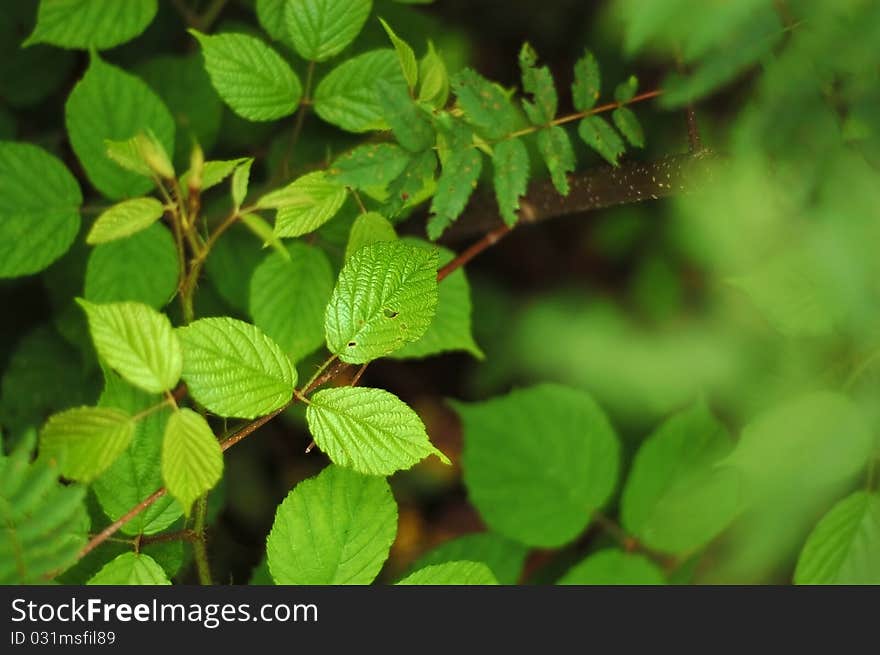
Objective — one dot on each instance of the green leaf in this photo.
(410, 125)
(385, 297)
(407, 188)
(451, 328)
(601, 137)
(459, 177)
(110, 104)
(138, 342)
(270, 15)
(86, 24)
(405, 55)
(141, 268)
(614, 567)
(305, 204)
(214, 172)
(264, 232)
(505, 558)
(85, 441)
(452, 573)
(130, 569)
(510, 161)
(368, 228)
(192, 461)
(626, 121)
(240, 181)
(138, 471)
(556, 150)
(250, 77)
(844, 547)
(127, 154)
(370, 165)
(537, 82)
(626, 91)
(39, 209)
(333, 529)
(320, 29)
(288, 297)
(233, 369)
(539, 491)
(369, 430)
(347, 96)
(485, 105)
(185, 87)
(677, 498)
(434, 88)
(124, 219)
(45, 523)
(587, 82)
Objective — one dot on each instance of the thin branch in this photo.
(492, 237)
(114, 527)
(304, 105)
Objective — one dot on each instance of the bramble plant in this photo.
(209, 296)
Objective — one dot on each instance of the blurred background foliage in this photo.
(757, 293)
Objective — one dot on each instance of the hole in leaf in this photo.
(390, 313)
(352, 344)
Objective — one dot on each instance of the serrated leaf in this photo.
(676, 498)
(587, 82)
(368, 228)
(335, 528)
(127, 154)
(130, 569)
(626, 121)
(192, 461)
(844, 547)
(385, 297)
(270, 15)
(233, 369)
(320, 29)
(214, 172)
(45, 523)
(510, 161)
(513, 478)
(85, 441)
(86, 24)
(39, 209)
(288, 297)
(110, 104)
(370, 165)
(250, 77)
(450, 330)
(405, 56)
(434, 87)
(556, 150)
(485, 105)
(411, 126)
(459, 177)
(505, 558)
(601, 137)
(537, 82)
(305, 204)
(124, 219)
(369, 430)
(241, 178)
(142, 268)
(138, 342)
(137, 472)
(614, 567)
(452, 573)
(412, 183)
(347, 96)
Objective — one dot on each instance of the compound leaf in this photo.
(597, 133)
(556, 150)
(485, 105)
(459, 176)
